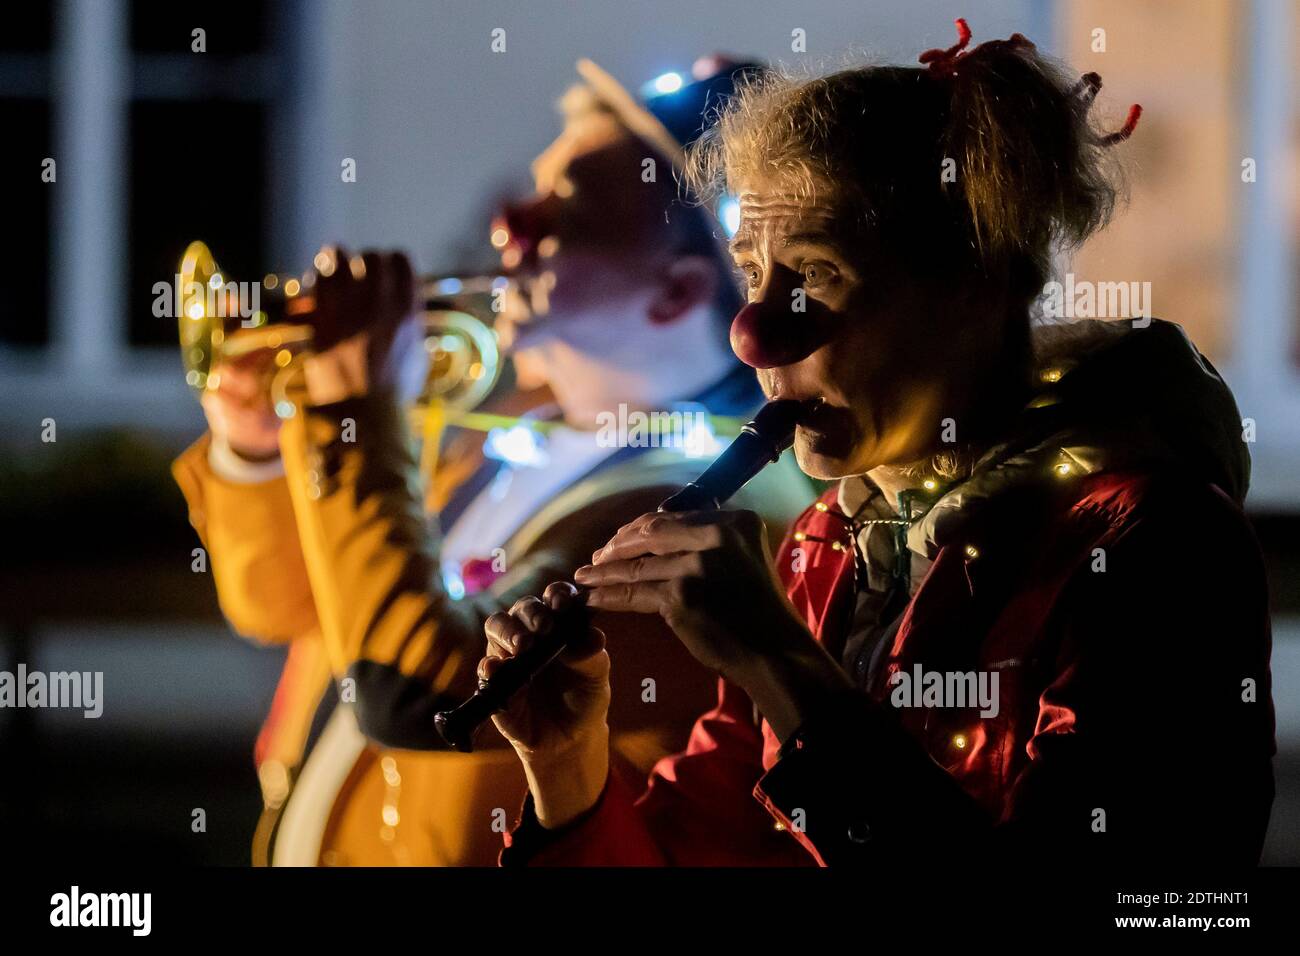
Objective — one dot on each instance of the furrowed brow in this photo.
(810, 239)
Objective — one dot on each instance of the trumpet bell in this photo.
(223, 319)
(198, 336)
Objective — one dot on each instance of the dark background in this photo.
(241, 146)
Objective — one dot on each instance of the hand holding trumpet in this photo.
(365, 337)
(364, 322)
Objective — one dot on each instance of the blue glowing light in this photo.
(449, 286)
(519, 446)
(729, 215)
(452, 580)
(667, 83)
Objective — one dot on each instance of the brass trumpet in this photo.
(222, 319)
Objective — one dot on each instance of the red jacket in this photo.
(1126, 617)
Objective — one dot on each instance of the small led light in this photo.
(292, 287)
(930, 484)
(668, 83)
(800, 536)
(1063, 469)
(972, 552)
(519, 446)
(959, 741)
(822, 507)
(729, 215)
(216, 280)
(500, 237)
(1052, 375)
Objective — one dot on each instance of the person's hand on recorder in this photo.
(557, 725)
(707, 574)
(368, 337)
(237, 403)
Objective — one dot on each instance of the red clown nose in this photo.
(766, 337)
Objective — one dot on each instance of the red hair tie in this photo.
(1086, 90)
(944, 62)
(1125, 131)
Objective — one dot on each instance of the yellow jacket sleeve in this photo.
(371, 557)
(250, 535)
